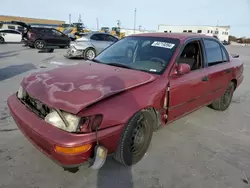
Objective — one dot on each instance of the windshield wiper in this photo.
(119, 65)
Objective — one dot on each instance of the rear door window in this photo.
(213, 52)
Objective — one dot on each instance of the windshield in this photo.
(150, 54)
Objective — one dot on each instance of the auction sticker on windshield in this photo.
(163, 44)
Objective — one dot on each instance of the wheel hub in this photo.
(138, 139)
(227, 96)
(90, 54)
(39, 44)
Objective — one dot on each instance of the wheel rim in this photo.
(1, 40)
(139, 138)
(39, 44)
(227, 96)
(90, 54)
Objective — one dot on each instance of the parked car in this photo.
(10, 35)
(112, 105)
(90, 45)
(226, 42)
(41, 37)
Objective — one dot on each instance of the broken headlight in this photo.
(73, 123)
(21, 94)
(64, 120)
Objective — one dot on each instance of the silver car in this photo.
(90, 45)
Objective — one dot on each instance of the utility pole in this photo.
(118, 23)
(97, 24)
(80, 18)
(69, 18)
(135, 20)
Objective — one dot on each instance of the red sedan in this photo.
(113, 104)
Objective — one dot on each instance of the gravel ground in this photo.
(204, 149)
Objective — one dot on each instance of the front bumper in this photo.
(73, 52)
(45, 136)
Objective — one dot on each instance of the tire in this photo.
(39, 44)
(224, 101)
(2, 40)
(89, 54)
(135, 139)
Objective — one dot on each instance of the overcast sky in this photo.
(150, 13)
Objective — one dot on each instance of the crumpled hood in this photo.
(72, 88)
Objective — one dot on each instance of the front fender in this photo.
(83, 45)
(118, 109)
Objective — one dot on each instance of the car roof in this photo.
(180, 36)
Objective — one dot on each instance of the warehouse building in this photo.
(134, 31)
(221, 32)
(6, 22)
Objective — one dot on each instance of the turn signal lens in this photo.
(73, 150)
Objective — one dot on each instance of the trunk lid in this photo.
(72, 88)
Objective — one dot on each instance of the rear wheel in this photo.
(135, 139)
(89, 54)
(224, 101)
(39, 44)
(2, 40)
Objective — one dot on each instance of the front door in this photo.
(99, 42)
(188, 92)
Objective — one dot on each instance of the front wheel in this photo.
(89, 54)
(135, 139)
(39, 44)
(224, 101)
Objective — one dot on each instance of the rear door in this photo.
(218, 67)
(188, 92)
(47, 35)
(59, 38)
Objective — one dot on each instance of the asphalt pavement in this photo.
(204, 149)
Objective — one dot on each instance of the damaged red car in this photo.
(112, 105)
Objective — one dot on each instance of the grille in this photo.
(36, 106)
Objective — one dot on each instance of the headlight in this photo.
(74, 123)
(21, 93)
(55, 119)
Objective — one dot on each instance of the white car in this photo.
(10, 35)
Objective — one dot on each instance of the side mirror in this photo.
(180, 69)
(183, 68)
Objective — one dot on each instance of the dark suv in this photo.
(41, 37)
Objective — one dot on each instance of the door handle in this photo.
(228, 71)
(205, 79)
